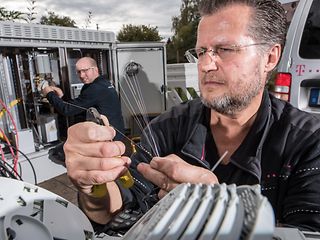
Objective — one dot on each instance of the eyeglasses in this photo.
(223, 52)
(84, 70)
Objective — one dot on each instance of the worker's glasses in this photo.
(223, 52)
(84, 70)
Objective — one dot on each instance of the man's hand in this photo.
(46, 90)
(169, 171)
(57, 91)
(91, 157)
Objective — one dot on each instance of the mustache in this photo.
(209, 77)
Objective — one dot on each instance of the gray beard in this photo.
(229, 105)
(236, 100)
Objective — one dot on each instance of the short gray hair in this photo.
(268, 22)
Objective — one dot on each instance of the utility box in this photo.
(32, 55)
(48, 128)
(26, 141)
(141, 75)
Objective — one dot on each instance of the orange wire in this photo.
(15, 157)
(8, 142)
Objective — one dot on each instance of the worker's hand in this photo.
(57, 91)
(91, 157)
(46, 90)
(167, 172)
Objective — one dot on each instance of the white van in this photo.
(298, 73)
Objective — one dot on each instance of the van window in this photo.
(310, 42)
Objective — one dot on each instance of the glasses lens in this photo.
(84, 70)
(224, 53)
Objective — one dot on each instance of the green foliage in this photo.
(185, 31)
(271, 82)
(30, 15)
(181, 94)
(88, 19)
(6, 15)
(56, 20)
(138, 33)
(192, 92)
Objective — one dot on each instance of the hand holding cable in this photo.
(126, 179)
(92, 158)
(169, 171)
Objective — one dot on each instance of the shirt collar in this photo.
(248, 155)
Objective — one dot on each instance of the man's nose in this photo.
(209, 63)
(82, 73)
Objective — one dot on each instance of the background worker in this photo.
(96, 92)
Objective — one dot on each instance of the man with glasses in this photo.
(236, 132)
(96, 92)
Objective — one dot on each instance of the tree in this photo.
(185, 29)
(31, 11)
(56, 20)
(6, 15)
(88, 19)
(138, 33)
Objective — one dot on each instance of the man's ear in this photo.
(273, 57)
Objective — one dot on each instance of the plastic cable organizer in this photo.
(190, 211)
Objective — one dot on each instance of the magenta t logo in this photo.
(300, 69)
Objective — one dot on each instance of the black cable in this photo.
(31, 165)
(9, 173)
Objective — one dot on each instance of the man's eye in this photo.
(225, 49)
(201, 52)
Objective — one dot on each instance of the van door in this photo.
(301, 57)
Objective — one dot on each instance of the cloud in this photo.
(110, 15)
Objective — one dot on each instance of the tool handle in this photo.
(125, 180)
(99, 190)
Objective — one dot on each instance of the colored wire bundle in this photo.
(9, 171)
(6, 170)
(6, 109)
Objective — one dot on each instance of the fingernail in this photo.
(142, 164)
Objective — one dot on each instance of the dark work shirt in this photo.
(281, 152)
(99, 94)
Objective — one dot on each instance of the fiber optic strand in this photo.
(131, 85)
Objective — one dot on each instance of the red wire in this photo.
(15, 157)
(8, 142)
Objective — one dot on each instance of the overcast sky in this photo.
(110, 15)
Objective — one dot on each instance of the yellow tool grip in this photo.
(99, 190)
(126, 181)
